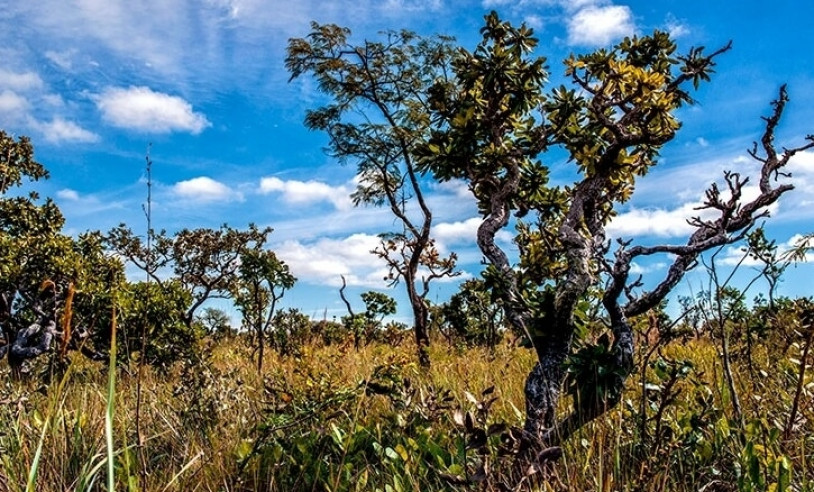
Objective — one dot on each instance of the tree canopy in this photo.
(377, 118)
(493, 123)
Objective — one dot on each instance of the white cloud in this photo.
(205, 189)
(68, 194)
(60, 130)
(654, 222)
(637, 269)
(579, 4)
(457, 187)
(450, 233)
(325, 260)
(536, 22)
(20, 81)
(304, 192)
(518, 5)
(802, 162)
(661, 222)
(12, 105)
(413, 5)
(675, 28)
(600, 26)
(736, 255)
(54, 100)
(142, 109)
(62, 59)
(465, 231)
(15, 110)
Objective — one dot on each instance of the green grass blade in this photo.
(111, 397)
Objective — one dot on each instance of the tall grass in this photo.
(334, 419)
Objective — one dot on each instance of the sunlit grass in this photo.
(201, 424)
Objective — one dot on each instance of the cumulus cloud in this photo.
(637, 269)
(304, 192)
(465, 231)
(457, 187)
(20, 81)
(323, 261)
(205, 189)
(12, 104)
(662, 222)
(457, 232)
(801, 167)
(802, 162)
(68, 194)
(142, 109)
(736, 255)
(654, 222)
(675, 27)
(599, 26)
(60, 130)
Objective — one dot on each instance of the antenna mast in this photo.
(149, 209)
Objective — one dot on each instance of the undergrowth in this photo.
(333, 419)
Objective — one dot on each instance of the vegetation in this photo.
(49, 282)
(378, 119)
(619, 394)
(337, 419)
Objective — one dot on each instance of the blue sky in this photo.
(93, 82)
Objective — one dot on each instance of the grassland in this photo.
(331, 419)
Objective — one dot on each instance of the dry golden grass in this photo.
(199, 422)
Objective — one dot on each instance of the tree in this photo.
(262, 282)
(292, 330)
(365, 326)
(377, 119)
(152, 323)
(55, 291)
(216, 322)
(494, 121)
(471, 315)
(204, 262)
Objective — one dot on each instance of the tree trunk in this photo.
(260, 350)
(420, 327)
(30, 343)
(544, 384)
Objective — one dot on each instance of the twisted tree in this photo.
(494, 121)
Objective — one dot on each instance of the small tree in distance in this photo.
(216, 322)
(205, 262)
(262, 281)
(365, 326)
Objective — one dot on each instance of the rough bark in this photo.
(582, 234)
(420, 322)
(33, 341)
